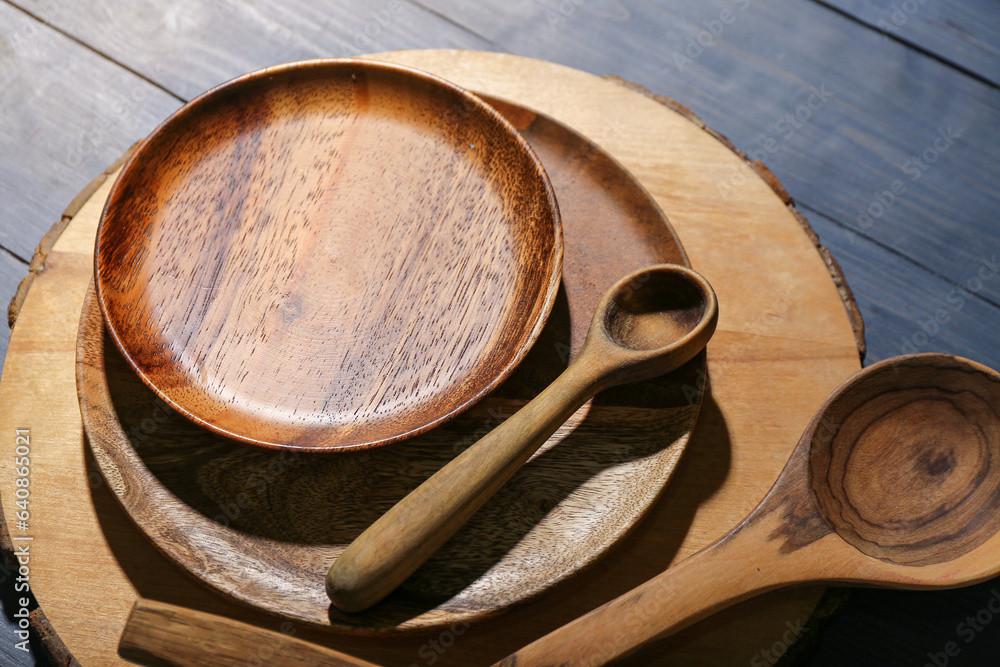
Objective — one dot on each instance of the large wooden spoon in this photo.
(647, 324)
(895, 482)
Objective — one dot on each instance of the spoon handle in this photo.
(158, 633)
(732, 569)
(404, 537)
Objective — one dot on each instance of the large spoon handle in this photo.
(733, 569)
(406, 536)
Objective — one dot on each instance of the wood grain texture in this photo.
(59, 130)
(915, 280)
(929, 314)
(12, 271)
(328, 256)
(876, 108)
(163, 634)
(904, 462)
(963, 33)
(894, 482)
(536, 533)
(37, 263)
(801, 345)
(638, 41)
(649, 323)
(886, 107)
(55, 650)
(189, 50)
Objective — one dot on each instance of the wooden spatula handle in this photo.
(409, 533)
(720, 575)
(158, 633)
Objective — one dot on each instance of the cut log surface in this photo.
(784, 342)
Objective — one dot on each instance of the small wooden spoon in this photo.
(895, 482)
(650, 322)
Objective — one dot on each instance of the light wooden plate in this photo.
(263, 527)
(328, 255)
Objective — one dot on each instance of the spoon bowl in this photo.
(895, 482)
(656, 313)
(654, 318)
(905, 461)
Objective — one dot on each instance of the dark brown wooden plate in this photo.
(328, 255)
(264, 526)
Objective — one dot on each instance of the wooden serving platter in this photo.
(263, 527)
(784, 334)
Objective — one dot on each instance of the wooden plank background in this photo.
(880, 117)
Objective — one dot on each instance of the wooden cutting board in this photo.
(788, 335)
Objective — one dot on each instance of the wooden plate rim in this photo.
(543, 311)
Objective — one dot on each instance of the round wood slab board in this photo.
(264, 527)
(785, 340)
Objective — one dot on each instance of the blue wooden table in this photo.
(880, 117)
